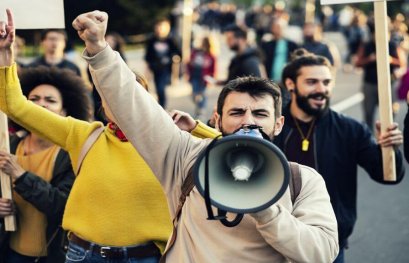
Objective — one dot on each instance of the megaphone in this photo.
(241, 174)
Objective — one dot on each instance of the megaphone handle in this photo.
(225, 222)
(206, 182)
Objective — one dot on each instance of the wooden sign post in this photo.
(6, 190)
(384, 79)
(187, 30)
(384, 85)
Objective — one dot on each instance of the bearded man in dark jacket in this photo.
(331, 143)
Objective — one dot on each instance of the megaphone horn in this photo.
(241, 174)
(244, 163)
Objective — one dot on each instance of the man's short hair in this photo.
(302, 58)
(45, 32)
(239, 32)
(254, 86)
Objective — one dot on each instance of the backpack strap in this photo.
(187, 187)
(87, 145)
(295, 183)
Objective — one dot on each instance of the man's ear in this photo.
(289, 84)
(217, 122)
(278, 125)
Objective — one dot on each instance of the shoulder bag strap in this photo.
(187, 187)
(295, 180)
(87, 145)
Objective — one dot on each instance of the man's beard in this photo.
(308, 38)
(235, 47)
(303, 104)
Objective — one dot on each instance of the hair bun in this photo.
(298, 53)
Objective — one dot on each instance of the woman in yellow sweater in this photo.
(41, 172)
(116, 208)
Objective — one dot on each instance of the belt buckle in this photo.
(103, 251)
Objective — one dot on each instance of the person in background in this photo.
(116, 209)
(313, 41)
(247, 61)
(202, 65)
(160, 52)
(53, 42)
(366, 59)
(311, 124)
(277, 53)
(41, 171)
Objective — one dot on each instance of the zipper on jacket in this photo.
(315, 149)
(286, 140)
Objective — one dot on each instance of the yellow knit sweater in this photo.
(116, 200)
(203, 131)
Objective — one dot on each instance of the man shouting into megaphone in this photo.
(303, 231)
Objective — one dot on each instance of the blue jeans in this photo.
(340, 257)
(162, 78)
(198, 94)
(14, 257)
(78, 254)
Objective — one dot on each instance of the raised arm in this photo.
(13, 103)
(167, 150)
(7, 36)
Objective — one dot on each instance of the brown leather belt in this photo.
(143, 251)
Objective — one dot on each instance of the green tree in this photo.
(125, 16)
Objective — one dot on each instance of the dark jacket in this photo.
(49, 198)
(159, 53)
(341, 144)
(245, 64)
(64, 64)
(269, 54)
(319, 49)
(370, 69)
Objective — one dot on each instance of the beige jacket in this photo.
(303, 232)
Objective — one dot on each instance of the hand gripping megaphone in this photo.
(241, 173)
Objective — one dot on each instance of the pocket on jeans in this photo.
(75, 253)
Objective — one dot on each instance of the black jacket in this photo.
(64, 64)
(245, 64)
(49, 198)
(341, 144)
(160, 60)
(269, 48)
(319, 49)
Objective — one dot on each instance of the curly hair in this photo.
(75, 96)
